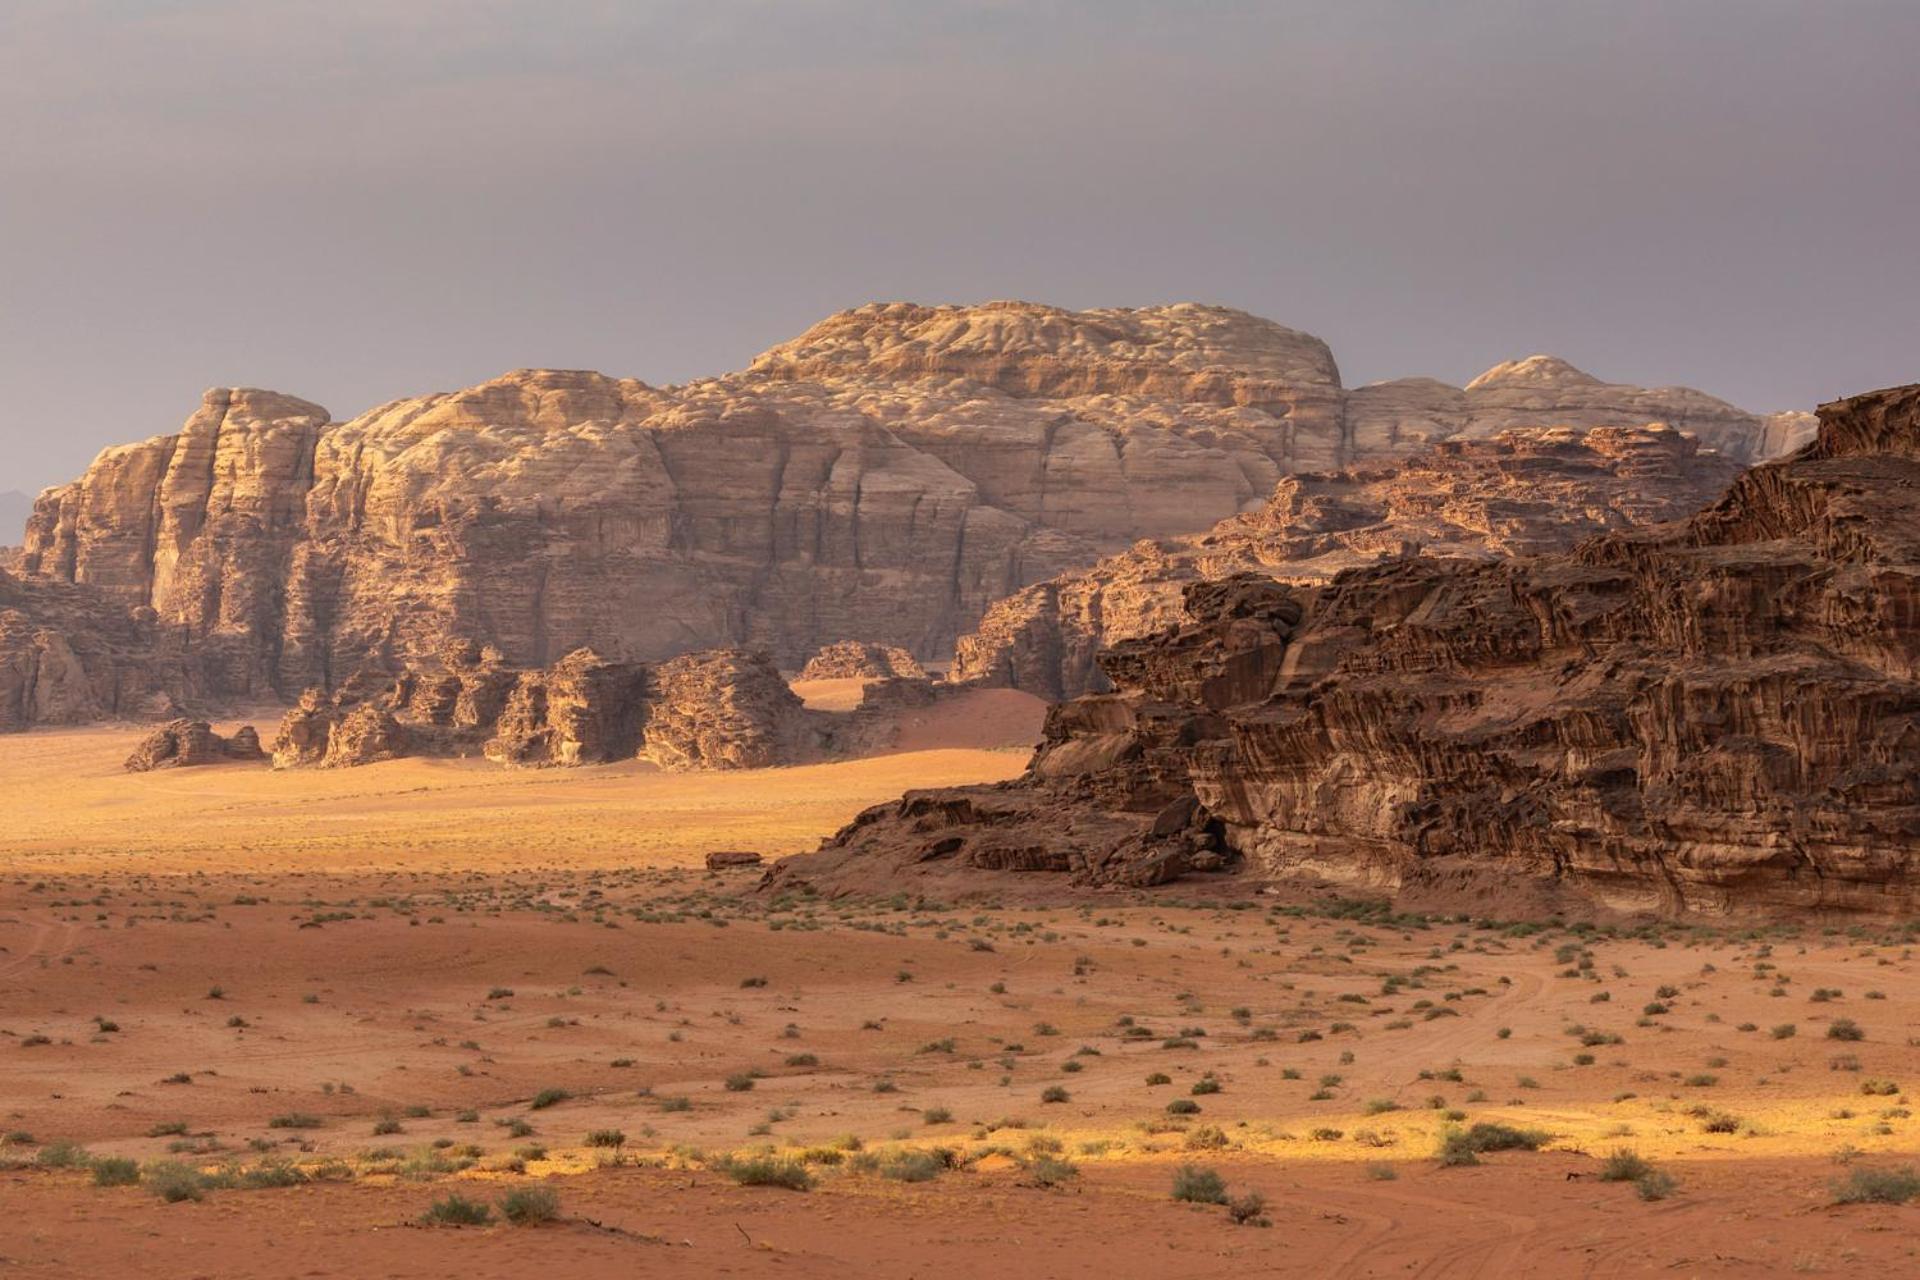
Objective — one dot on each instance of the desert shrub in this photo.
(1054, 1093)
(606, 1138)
(1208, 1137)
(1878, 1186)
(1655, 1184)
(740, 1082)
(1248, 1210)
(115, 1171)
(1624, 1165)
(1183, 1107)
(766, 1170)
(457, 1211)
(294, 1120)
(1197, 1184)
(936, 1115)
(1051, 1171)
(1464, 1146)
(174, 1182)
(272, 1174)
(62, 1155)
(528, 1206)
(1845, 1029)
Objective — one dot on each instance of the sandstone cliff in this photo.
(69, 656)
(884, 477)
(1717, 715)
(1517, 493)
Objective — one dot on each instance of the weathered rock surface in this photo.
(885, 476)
(1517, 493)
(1408, 414)
(1718, 715)
(184, 743)
(715, 709)
(856, 659)
(70, 656)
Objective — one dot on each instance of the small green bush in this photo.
(529, 1206)
(457, 1211)
(1197, 1184)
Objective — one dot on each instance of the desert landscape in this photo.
(955, 639)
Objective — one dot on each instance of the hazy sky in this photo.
(353, 200)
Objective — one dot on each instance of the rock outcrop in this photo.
(184, 743)
(885, 476)
(1517, 493)
(1719, 715)
(1409, 414)
(859, 660)
(715, 709)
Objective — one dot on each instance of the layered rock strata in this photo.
(886, 476)
(186, 743)
(1517, 493)
(715, 709)
(1719, 715)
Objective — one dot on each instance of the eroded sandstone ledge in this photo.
(1719, 715)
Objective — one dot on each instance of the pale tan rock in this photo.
(856, 659)
(886, 477)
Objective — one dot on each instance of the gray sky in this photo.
(352, 200)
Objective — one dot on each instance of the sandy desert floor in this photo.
(315, 1005)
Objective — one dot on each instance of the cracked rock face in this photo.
(1718, 715)
(1517, 493)
(884, 477)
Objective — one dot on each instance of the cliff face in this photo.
(1518, 493)
(884, 477)
(68, 655)
(1719, 715)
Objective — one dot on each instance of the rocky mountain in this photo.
(1718, 715)
(883, 477)
(1409, 414)
(1521, 492)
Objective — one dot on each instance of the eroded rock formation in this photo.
(885, 476)
(857, 660)
(1717, 715)
(715, 709)
(1517, 493)
(69, 656)
(185, 743)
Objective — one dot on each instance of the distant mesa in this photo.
(885, 477)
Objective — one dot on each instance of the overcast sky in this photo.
(353, 200)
